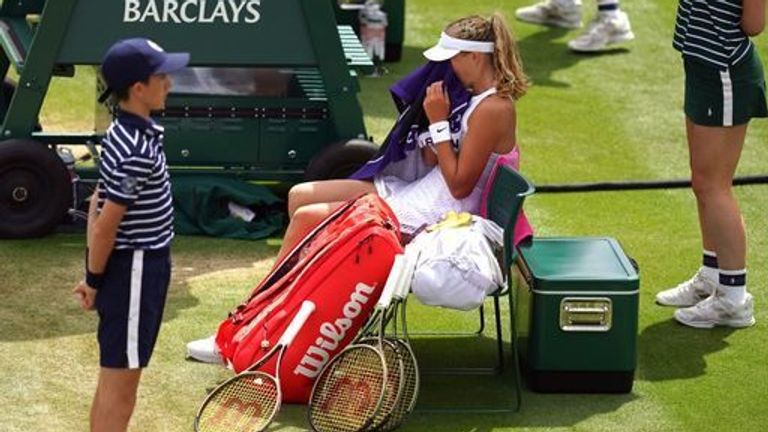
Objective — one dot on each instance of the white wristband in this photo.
(440, 132)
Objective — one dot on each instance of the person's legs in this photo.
(130, 305)
(556, 13)
(705, 280)
(304, 219)
(706, 238)
(609, 26)
(325, 192)
(114, 400)
(714, 155)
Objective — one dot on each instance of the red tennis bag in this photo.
(341, 266)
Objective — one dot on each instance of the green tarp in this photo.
(202, 206)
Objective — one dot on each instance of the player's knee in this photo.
(303, 214)
(707, 186)
(297, 197)
(308, 215)
(118, 402)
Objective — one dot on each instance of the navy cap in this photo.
(132, 60)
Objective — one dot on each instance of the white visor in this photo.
(448, 46)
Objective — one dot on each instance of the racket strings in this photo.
(348, 393)
(409, 389)
(394, 383)
(410, 377)
(247, 403)
(410, 364)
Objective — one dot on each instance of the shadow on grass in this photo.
(543, 55)
(36, 288)
(442, 397)
(669, 350)
(40, 315)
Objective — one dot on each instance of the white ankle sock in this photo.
(735, 292)
(710, 274)
(608, 13)
(736, 295)
(709, 266)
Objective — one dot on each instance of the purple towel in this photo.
(408, 94)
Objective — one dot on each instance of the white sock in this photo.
(733, 285)
(608, 8)
(709, 266)
(710, 274)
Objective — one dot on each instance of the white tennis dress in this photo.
(425, 200)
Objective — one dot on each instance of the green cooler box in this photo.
(577, 302)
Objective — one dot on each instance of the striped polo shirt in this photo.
(710, 31)
(134, 173)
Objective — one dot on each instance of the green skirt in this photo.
(717, 97)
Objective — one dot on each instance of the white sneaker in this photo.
(204, 350)
(603, 31)
(552, 13)
(717, 310)
(687, 293)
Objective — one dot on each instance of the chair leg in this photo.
(496, 369)
(481, 328)
(516, 401)
(499, 335)
(514, 349)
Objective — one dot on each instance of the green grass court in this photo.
(615, 116)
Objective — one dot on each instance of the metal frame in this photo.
(522, 189)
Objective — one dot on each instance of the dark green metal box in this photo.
(576, 305)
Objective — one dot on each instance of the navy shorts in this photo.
(130, 305)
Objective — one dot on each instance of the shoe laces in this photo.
(597, 26)
(691, 284)
(548, 6)
(715, 297)
(551, 7)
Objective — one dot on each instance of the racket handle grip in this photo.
(307, 307)
(406, 275)
(392, 282)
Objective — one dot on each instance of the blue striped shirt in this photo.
(710, 31)
(134, 173)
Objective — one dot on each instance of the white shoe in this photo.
(552, 13)
(717, 310)
(687, 293)
(204, 350)
(603, 31)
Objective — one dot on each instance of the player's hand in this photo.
(86, 295)
(437, 104)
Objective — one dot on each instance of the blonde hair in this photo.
(511, 80)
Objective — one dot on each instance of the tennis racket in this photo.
(351, 388)
(410, 378)
(250, 400)
(392, 354)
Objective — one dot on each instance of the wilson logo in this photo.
(332, 333)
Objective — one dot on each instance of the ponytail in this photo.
(508, 66)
